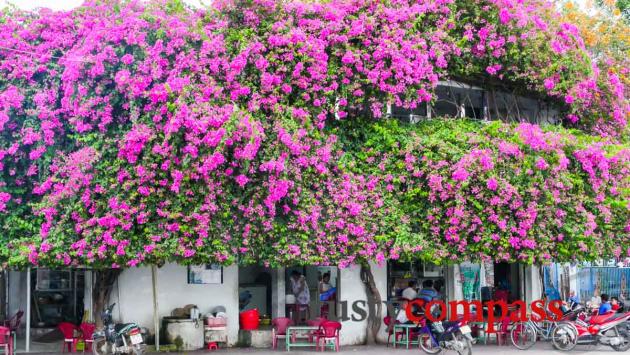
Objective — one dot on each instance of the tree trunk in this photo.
(375, 304)
(103, 283)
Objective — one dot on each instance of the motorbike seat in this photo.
(448, 324)
(619, 315)
(119, 327)
(601, 318)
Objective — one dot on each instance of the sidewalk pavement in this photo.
(542, 348)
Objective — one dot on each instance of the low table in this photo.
(215, 334)
(405, 328)
(293, 333)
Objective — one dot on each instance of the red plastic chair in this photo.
(14, 323)
(279, 330)
(314, 323)
(87, 331)
(69, 339)
(390, 329)
(6, 341)
(328, 330)
(503, 332)
(502, 295)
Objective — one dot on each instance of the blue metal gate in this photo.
(609, 280)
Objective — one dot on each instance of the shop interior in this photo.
(507, 282)
(57, 296)
(323, 285)
(401, 273)
(254, 287)
(255, 291)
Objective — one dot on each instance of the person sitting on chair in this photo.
(410, 292)
(605, 307)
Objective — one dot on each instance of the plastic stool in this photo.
(213, 346)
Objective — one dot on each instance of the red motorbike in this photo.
(612, 329)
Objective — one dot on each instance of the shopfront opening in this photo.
(323, 287)
(57, 297)
(255, 289)
(507, 282)
(45, 298)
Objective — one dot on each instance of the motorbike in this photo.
(117, 338)
(435, 337)
(608, 329)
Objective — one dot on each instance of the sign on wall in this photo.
(205, 274)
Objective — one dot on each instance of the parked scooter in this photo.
(441, 336)
(117, 338)
(607, 329)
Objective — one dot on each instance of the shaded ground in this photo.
(539, 349)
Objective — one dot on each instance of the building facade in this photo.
(133, 293)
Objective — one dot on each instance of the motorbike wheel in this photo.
(625, 345)
(564, 337)
(427, 345)
(139, 349)
(523, 335)
(100, 346)
(467, 350)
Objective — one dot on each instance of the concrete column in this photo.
(278, 293)
(87, 296)
(574, 279)
(28, 309)
(449, 282)
(454, 290)
(533, 284)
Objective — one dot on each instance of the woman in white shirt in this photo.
(410, 292)
(300, 288)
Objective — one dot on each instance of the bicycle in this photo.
(525, 334)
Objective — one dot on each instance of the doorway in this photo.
(507, 281)
(255, 288)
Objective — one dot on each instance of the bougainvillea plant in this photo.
(136, 133)
(497, 192)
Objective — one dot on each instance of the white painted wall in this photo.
(351, 290)
(134, 296)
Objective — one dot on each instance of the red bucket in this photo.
(249, 320)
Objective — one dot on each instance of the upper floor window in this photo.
(455, 99)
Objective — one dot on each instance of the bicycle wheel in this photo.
(564, 337)
(523, 335)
